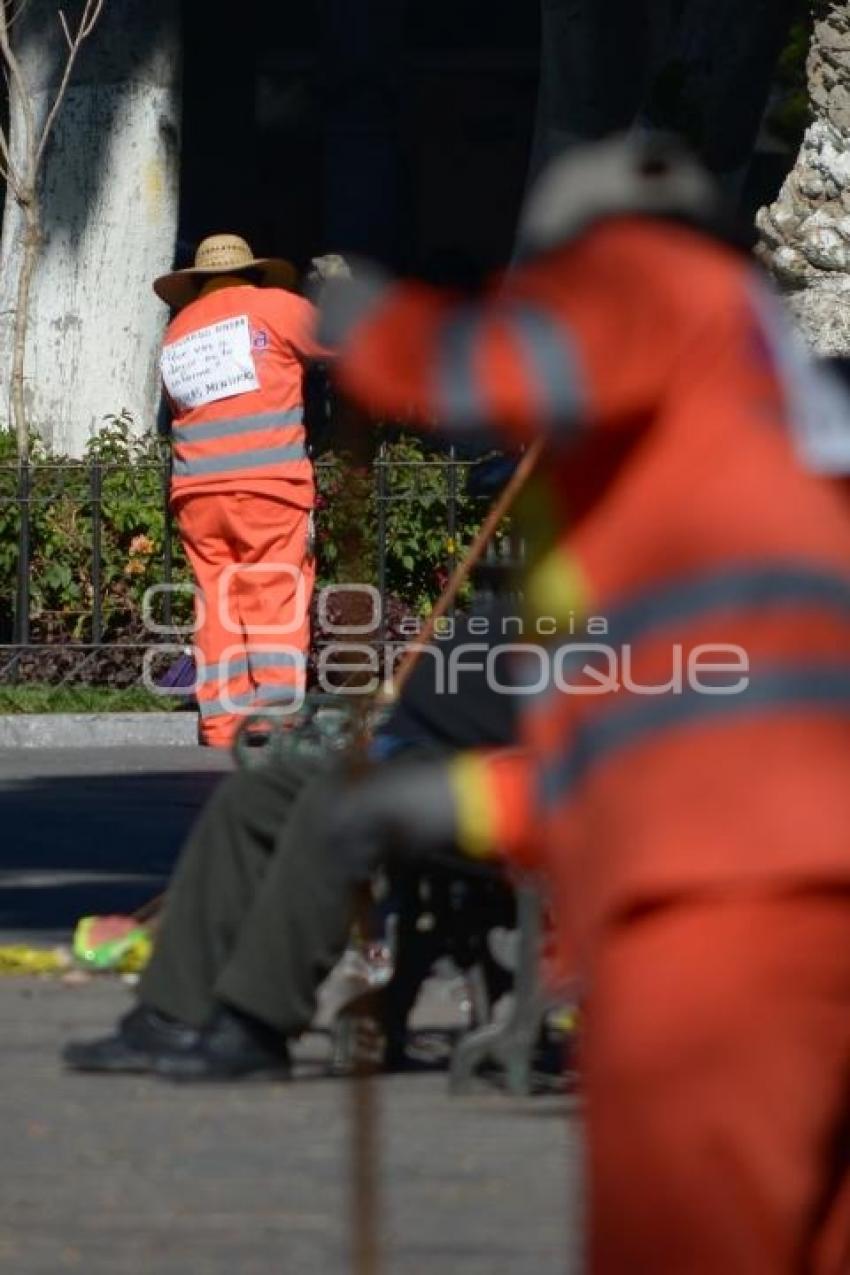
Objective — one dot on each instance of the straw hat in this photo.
(222, 254)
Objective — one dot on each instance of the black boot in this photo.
(235, 1046)
(143, 1036)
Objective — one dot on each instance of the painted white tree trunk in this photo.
(109, 205)
(805, 233)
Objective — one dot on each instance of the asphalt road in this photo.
(89, 831)
(118, 1176)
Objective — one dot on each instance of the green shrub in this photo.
(411, 485)
(63, 516)
(133, 524)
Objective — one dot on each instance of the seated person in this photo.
(260, 908)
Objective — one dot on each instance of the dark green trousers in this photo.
(257, 912)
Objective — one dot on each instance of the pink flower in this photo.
(141, 547)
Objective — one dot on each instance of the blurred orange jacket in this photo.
(684, 530)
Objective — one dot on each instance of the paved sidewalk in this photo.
(120, 1176)
(98, 730)
(128, 1176)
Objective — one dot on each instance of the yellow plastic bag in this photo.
(19, 959)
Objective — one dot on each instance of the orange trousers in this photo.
(717, 1071)
(255, 574)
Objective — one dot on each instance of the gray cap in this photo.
(331, 266)
(646, 175)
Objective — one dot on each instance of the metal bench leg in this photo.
(509, 1044)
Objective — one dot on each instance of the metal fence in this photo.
(81, 542)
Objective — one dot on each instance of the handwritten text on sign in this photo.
(214, 362)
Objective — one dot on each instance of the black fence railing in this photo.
(89, 553)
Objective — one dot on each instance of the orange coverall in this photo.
(242, 491)
(695, 840)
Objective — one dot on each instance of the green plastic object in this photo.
(111, 943)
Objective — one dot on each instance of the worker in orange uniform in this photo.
(686, 790)
(233, 363)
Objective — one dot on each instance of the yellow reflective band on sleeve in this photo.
(476, 822)
(556, 586)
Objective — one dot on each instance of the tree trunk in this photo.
(805, 233)
(108, 197)
(30, 243)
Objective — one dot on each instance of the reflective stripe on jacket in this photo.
(233, 366)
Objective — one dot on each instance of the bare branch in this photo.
(91, 12)
(18, 89)
(5, 158)
(6, 169)
(95, 8)
(20, 164)
(64, 23)
(9, 176)
(14, 16)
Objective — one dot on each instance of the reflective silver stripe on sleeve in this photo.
(779, 588)
(258, 459)
(789, 586)
(545, 347)
(550, 355)
(457, 391)
(233, 426)
(791, 689)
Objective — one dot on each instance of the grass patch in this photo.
(35, 698)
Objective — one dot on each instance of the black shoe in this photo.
(143, 1036)
(235, 1046)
